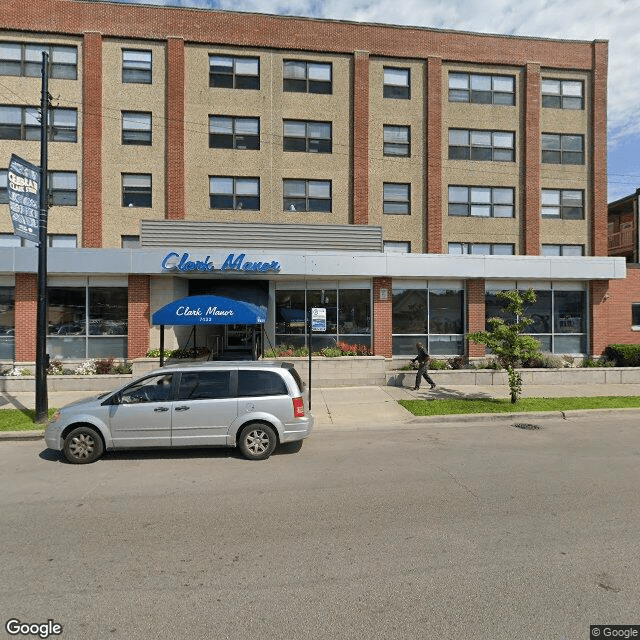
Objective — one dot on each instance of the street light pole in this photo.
(42, 403)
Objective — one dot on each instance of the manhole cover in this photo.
(527, 426)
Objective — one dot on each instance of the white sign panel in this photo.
(318, 319)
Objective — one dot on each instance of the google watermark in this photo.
(15, 627)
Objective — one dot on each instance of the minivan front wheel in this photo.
(83, 445)
(257, 441)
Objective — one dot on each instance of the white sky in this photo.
(617, 21)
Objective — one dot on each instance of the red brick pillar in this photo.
(532, 160)
(433, 230)
(139, 316)
(599, 206)
(382, 317)
(26, 312)
(361, 138)
(599, 330)
(175, 131)
(92, 205)
(475, 314)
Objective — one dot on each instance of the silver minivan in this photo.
(249, 405)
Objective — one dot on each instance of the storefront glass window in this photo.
(7, 323)
(559, 319)
(433, 315)
(348, 316)
(87, 322)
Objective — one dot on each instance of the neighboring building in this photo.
(624, 295)
(396, 176)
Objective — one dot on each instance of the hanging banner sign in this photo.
(23, 186)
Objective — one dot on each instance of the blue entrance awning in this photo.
(203, 310)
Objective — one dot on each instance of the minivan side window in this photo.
(153, 389)
(204, 385)
(260, 383)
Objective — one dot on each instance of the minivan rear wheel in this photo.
(83, 445)
(257, 441)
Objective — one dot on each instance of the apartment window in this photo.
(63, 125)
(397, 83)
(136, 127)
(558, 148)
(63, 188)
(53, 240)
(565, 204)
(136, 190)
(23, 123)
(497, 146)
(228, 72)
(562, 94)
(300, 76)
(229, 132)
(4, 187)
(311, 137)
(396, 198)
(129, 242)
(635, 315)
(136, 66)
(307, 195)
(396, 140)
(562, 250)
(25, 59)
(482, 202)
(226, 192)
(391, 246)
(482, 89)
(480, 249)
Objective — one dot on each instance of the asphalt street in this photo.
(478, 530)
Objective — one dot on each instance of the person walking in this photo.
(423, 366)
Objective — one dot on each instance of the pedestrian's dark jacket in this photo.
(422, 356)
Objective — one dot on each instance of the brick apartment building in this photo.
(397, 177)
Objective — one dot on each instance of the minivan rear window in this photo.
(204, 385)
(260, 383)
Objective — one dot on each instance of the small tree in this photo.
(506, 339)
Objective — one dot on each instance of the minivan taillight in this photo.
(298, 407)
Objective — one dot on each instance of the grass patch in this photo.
(473, 405)
(17, 420)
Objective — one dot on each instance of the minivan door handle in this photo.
(161, 409)
(183, 408)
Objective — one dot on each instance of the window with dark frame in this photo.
(564, 204)
(25, 59)
(307, 195)
(136, 190)
(63, 188)
(482, 202)
(23, 123)
(234, 132)
(396, 140)
(233, 72)
(494, 146)
(137, 66)
(228, 192)
(572, 250)
(635, 315)
(306, 136)
(397, 83)
(482, 88)
(562, 148)
(396, 198)
(481, 249)
(136, 127)
(562, 94)
(303, 76)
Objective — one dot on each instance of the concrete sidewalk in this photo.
(371, 406)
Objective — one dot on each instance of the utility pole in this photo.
(42, 402)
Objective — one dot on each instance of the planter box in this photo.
(90, 384)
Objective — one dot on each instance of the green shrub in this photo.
(623, 355)
(438, 365)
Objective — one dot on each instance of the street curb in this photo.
(21, 436)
